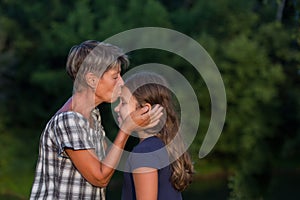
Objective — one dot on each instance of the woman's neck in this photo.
(83, 103)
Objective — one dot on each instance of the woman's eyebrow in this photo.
(118, 71)
(114, 74)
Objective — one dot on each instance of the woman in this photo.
(151, 175)
(72, 163)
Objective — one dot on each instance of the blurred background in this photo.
(254, 43)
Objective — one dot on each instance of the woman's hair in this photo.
(95, 57)
(148, 87)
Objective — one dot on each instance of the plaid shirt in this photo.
(56, 177)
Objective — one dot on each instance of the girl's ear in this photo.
(91, 80)
(148, 105)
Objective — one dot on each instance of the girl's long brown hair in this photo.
(148, 87)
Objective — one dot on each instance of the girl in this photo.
(150, 175)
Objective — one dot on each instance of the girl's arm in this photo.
(146, 183)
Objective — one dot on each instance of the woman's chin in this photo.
(114, 98)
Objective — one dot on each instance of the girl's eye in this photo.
(122, 101)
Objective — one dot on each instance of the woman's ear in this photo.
(91, 80)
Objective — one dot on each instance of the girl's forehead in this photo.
(125, 92)
(126, 95)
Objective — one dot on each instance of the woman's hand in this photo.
(142, 118)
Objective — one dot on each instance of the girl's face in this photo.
(126, 105)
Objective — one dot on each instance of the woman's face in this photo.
(126, 105)
(109, 86)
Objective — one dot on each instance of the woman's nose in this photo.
(121, 81)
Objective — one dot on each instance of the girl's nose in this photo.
(117, 108)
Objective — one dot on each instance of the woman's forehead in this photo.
(114, 70)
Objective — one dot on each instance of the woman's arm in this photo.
(94, 171)
(99, 173)
(146, 183)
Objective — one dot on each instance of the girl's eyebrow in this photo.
(122, 98)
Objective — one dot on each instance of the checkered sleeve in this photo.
(72, 131)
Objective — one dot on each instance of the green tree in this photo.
(255, 45)
(256, 54)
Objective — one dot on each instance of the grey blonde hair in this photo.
(95, 57)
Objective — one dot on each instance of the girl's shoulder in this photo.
(149, 144)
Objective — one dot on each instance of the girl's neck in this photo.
(142, 135)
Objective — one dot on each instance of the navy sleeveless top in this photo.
(150, 152)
